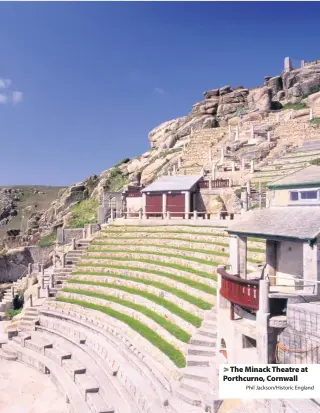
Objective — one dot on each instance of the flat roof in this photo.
(309, 176)
(173, 183)
(300, 223)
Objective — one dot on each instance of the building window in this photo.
(304, 196)
(248, 342)
(309, 194)
(294, 196)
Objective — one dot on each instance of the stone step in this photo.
(37, 345)
(198, 361)
(200, 351)
(57, 355)
(207, 333)
(86, 384)
(30, 317)
(27, 325)
(97, 405)
(198, 373)
(196, 386)
(177, 405)
(198, 341)
(73, 367)
(188, 396)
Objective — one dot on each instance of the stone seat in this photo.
(119, 356)
(57, 374)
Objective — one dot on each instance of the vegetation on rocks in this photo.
(83, 213)
(47, 240)
(174, 354)
(315, 121)
(9, 314)
(294, 106)
(116, 179)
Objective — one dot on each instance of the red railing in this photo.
(239, 291)
(217, 183)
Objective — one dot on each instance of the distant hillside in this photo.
(19, 202)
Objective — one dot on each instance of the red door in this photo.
(175, 204)
(154, 205)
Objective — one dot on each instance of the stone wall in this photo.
(15, 262)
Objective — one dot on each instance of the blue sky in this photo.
(82, 84)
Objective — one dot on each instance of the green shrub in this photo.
(12, 313)
(315, 121)
(294, 106)
(83, 213)
(47, 240)
(174, 354)
(315, 161)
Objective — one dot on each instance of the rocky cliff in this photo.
(217, 109)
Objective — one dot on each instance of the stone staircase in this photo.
(6, 303)
(199, 385)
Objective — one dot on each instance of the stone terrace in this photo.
(133, 328)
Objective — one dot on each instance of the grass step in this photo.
(204, 305)
(191, 283)
(154, 262)
(175, 355)
(172, 328)
(173, 308)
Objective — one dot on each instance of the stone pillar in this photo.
(38, 291)
(252, 166)
(311, 114)
(287, 64)
(233, 166)
(237, 133)
(63, 260)
(271, 260)
(302, 64)
(174, 170)
(73, 240)
(29, 269)
(140, 214)
(222, 155)
(234, 254)
(144, 205)
(249, 187)
(112, 215)
(30, 301)
(262, 321)
(187, 204)
(243, 257)
(244, 199)
(195, 215)
(269, 136)
(41, 269)
(42, 283)
(311, 271)
(243, 164)
(47, 291)
(51, 281)
(164, 205)
(278, 117)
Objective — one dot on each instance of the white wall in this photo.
(289, 262)
(134, 204)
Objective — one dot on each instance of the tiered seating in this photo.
(286, 164)
(134, 317)
(196, 154)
